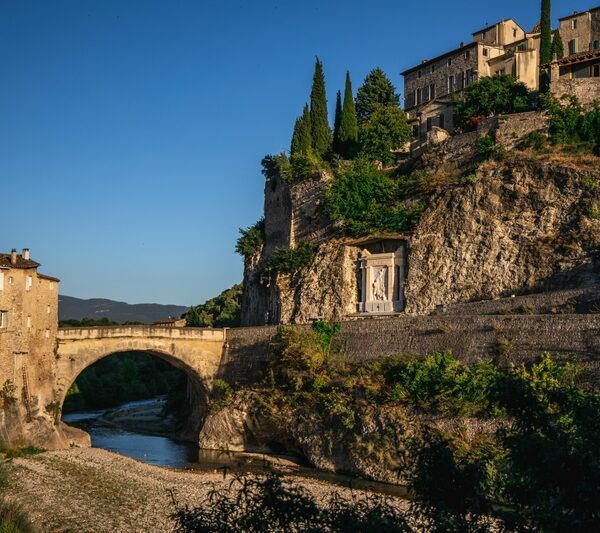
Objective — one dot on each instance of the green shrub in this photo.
(535, 141)
(366, 201)
(251, 239)
(222, 311)
(589, 183)
(594, 212)
(289, 261)
(487, 146)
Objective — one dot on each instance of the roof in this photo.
(447, 54)
(5, 261)
(49, 278)
(496, 24)
(580, 57)
(578, 13)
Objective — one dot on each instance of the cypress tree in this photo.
(377, 91)
(546, 37)
(321, 133)
(558, 48)
(302, 137)
(336, 123)
(348, 130)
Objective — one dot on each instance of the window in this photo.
(483, 35)
(419, 74)
(429, 124)
(10, 280)
(573, 46)
(595, 45)
(469, 75)
(596, 71)
(28, 283)
(514, 33)
(442, 121)
(574, 24)
(486, 52)
(415, 131)
(449, 61)
(432, 68)
(467, 54)
(451, 84)
(29, 322)
(432, 91)
(3, 319)
(426, 95)
(1, 281)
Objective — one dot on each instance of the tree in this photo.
(348, 129)
(558, 48)
(221, 311)
(384, 130)
(377, 91)
(492, 95)
(302, 137)
(336, 123)
(546, 37)
(321, 133)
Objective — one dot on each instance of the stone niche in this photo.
(381, 277)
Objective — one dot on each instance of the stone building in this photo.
(431, 88)
(28, 325)
(580, 32)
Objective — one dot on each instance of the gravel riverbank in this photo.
(93, 490)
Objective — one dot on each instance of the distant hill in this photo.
(76, 308)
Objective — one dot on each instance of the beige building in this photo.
(431, 87)
(28, 325)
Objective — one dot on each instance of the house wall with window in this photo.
(580, 32)
(28, 326)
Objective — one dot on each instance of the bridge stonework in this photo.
(196, 351)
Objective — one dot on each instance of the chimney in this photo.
(462, 44)
(13, 256)
(26, 254)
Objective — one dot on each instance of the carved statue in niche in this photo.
(379, 284)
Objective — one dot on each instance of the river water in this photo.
(164, 451)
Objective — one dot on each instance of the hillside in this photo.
(97, 308)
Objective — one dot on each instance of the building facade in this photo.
(28, 326)
(431, 88)
(580, 32)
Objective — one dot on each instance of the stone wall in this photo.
(586, 90)
(310, 216)
(510, 339)
(512, 128)
(278, 214)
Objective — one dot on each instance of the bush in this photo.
(272, 504)
(251, 239)
(367, 201)
(288, 260)
(383, 131)
(499, 94)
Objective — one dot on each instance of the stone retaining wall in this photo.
(510, 339)
(587, 90)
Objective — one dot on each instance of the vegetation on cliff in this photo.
(538, 468)
(365, 200)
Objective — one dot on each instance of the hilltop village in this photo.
(456, 199)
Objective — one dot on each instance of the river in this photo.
(167, 452)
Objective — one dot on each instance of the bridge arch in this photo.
(197, 352)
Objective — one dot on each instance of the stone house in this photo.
(431, 88)
(28, 325)
(578, 72)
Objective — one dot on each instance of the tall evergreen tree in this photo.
(302, 137)
(336, 123)
(546, 37)
(348, 130)
(558, 48)
(321, 133)
(377, 91)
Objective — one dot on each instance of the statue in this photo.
(379, 285)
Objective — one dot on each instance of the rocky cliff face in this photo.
(524, 226)
(521, 226)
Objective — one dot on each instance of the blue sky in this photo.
(131, 131)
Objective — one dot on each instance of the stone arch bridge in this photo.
(198, 352)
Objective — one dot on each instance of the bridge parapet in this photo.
(204, 334)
